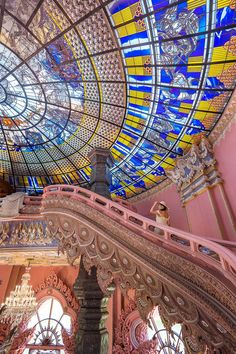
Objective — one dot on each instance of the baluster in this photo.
(193, 246)
(167, 235)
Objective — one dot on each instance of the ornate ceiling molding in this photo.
(77, 76)
(188, 290)
(228, 118)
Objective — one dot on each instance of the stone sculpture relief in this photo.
(195, 171)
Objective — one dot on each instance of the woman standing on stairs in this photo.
(162, 215)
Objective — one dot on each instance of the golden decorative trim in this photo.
(226, 121)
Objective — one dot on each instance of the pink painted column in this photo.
(212, 214)
(204, 217)
(226, 195)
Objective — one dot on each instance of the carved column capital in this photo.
(101, 162)
(195, 171)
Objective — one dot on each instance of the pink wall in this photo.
(5, 273)
(211, 214)
(178, 216)
(202, 217)
(225, 153)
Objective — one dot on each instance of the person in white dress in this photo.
(160, 210)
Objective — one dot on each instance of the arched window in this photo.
(168, 342)
(48, 321)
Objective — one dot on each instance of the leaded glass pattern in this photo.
(144, 78)
(169, 341)
(48, 322)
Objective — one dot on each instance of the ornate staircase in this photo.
(191, 279)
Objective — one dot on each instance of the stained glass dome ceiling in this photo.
(144, 78)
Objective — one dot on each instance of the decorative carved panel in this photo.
(131, 335)
(52, 281)
(195, 171)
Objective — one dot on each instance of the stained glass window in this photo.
(168, 342)
(145, 79)
(48, 323)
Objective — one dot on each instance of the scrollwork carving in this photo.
(69, 341)
(20, 341)
(195, 171)
(52, 281)
(14, 340)
(24, 233)
(131, 333)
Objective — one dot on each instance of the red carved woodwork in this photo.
(131, 334)
(69, 341)
(20, 341)
(52, 281)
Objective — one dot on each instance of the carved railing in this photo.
(32, 205)
(191, 279)
(211, 252)
(31, 209)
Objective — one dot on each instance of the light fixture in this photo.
(21, 303)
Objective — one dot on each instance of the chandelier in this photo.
(21, 303)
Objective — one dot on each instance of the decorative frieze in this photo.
(24, 233)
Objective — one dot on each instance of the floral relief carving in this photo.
(69, 341)
(131, 334)
(195, 171)
(52, 281)
(130, 261)
(14, 340)
(5, 333)
(20, 341)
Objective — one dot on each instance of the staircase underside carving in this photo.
(188, 290)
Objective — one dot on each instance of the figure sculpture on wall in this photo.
(160, 210)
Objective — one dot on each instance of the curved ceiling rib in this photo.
(144, 78)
